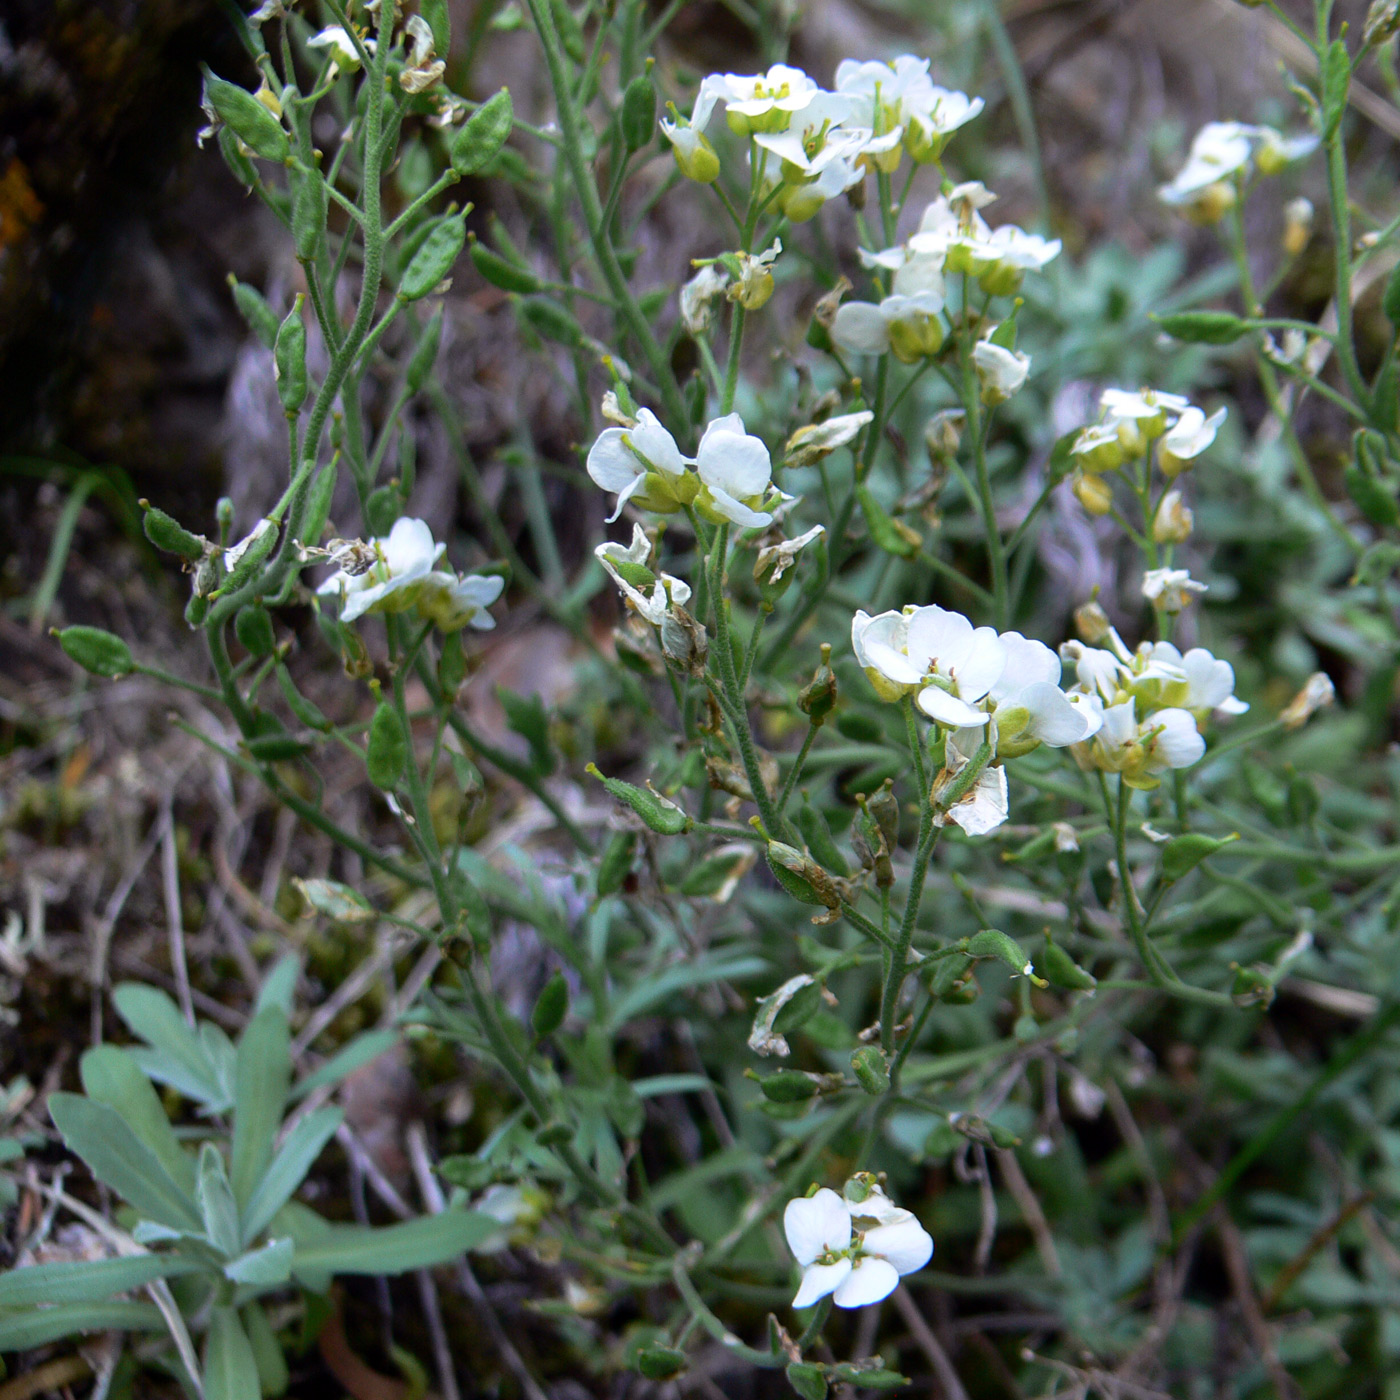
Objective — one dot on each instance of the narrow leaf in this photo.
(119, 1159)
(216, 1202)
(263, 1072)
(112, 1077)
(395, 1249)
(279, 985)
(230, 1368)
(181, 1060)
(263, 1268)
(87, 1281)
(36, 1329)
(288, 1169)
(351, 1056)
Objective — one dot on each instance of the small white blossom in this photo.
(764, 101)
(817, 440)
(1187, 438)
(403, 559)
(450, 602)
(1000, 372)
(736, 472)
(854, 1267)
(341, 47)
(622, 459)
(755, 284)
(1170, 590)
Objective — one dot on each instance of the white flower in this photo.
(451, 602)
(1000, 372)
(1273, 150)
(764, 101)
(801, 202)
(736, 471)
(1170, 589)
(391, 584)
(907, 324)
(1208, 684)
(932, 114)
(1140, 750)
(1219, 150)
(1143, 406)
(817, 440)
(815, 136)
(340, 46)
(627, 567)
(622, 459)
(1028, 702)
(693, 151)
(1173, 520)
(1187, 438)
(881, 93)
(755, 284)
(698, 296)
(856, 1271)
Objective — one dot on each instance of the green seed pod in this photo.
(425, 353)
(253, 627)
(1253, 987)
(654, 810)
(808, 1380)
(252, 305)
(801, 876)
(434, 258)
(552, 1006)
(942, 1141)
(993, 943)
(254, 556)
(870, 847)
(452, 664)
(166, 533)
(879, 1378)
(616, 862)
(249, 120)
(547, 318)
(554, 1135)
(888, 533)
(1002, 1137)
(501, 272)
(817, 834)
(242, 169)
(309, 205)
(275, 748)
(658, 1363)
(817, 698)
(1204, 327)
(884, 807)
(1184, 853)
(871, 1069)
(386, 754)
(637, 118)
(787, 1086)
(1062, 971)
(102, 653)
(305, 712)
(482, 135)
(196, 610)
(695, 399)
(289, 359)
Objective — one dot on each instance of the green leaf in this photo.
(336, 901)
(1185, 853)
(230, 1368)
(111, 1076)
(396, 1249)
(288, 1169)
(272, 1365)
(526, 715)
(119, 1159)
(262, 1074)
(1204, 327)
(217, 1206)
(387, 752)
(1390, 301)
(479, 141)
(1336, 79)
(102, 653)
(279, 985)
(265, 1267)
(37, 1329)
(712, 967)
(180, 1060)
(366, 1046)
(88, 1281)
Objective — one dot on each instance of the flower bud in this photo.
(884, 807)
(1094, 493)
(1091, 622)
(1062, 971)
(817, 698)
(1317, 693)
(943, 434)
(873, 852)
(1382, 22)
(1173, 520)
(1297, 225)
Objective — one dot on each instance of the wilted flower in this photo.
(1092, 492)
(755, 284)
(424, 70)
(698, 297)
(1000, 372)
(1297, 225)
(1170, 589)
(627, 567)
(855, 1266)
(774, 560)
(402, 561)
(809, 445)
(1173, 521)
(983, 807)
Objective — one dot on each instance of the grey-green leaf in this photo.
(230, 1368)
(262, 1073)
(36, 1329)
(112, 1077)
(216, 1202)
(119, 1159)
(288, 1169)
(366, 1046)
(263, 1268)
(87, 1281)
(180, 1060)
(279, 985)
(395, 1249)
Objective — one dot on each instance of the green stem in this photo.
(798, 763)
(899, 959)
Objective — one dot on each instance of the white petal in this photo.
(732, 460)
(888, 629)
(947, 709)
(814, 1224)
(611, 465)
(981, 668)
(987, 806)
(870, 1281)
(655, 446)
(1027, 661)
(891, 664)
(820, 1279)
(906, 1244)
(1179, 743)
(860, 329)
(410, 547)
(939, 637)
(737, 511)
(1055, 719)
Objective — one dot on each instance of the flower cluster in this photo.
(853, 1248)
(1223, 156)
(980, 686)
(822, 142)
(732, 480)
(1132, 421)
(1151, 703)
(952, 237)
(398, 573)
